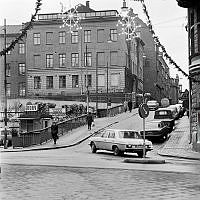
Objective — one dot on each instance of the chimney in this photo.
(88, 4)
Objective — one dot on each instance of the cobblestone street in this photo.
(57, 183)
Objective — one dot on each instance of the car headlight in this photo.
(129, 145)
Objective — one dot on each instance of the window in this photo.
(49, 82)
(113, 58)
(37, 61)
(22, 69)
(8, 89)
(62, 81)
(49, 61)
(21, 48)
(22, 89)
(113, 34)
(74, 59)
(101, 80)
(100, 35)
(87, 36)
(62, 37)
(89, 59)
(8, 69)
(111, 134)
(37, 82)
(9, 52)
(49, 38)
(115, 79)
(74, 81)
(36, 38)
(62, 60)
(89, 83)
(74, 37)
(100, 59)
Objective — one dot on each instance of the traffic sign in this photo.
(143, 110)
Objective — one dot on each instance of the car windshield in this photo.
(129, 134)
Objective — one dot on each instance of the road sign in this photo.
(143, 110)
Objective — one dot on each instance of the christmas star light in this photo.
(70, 18)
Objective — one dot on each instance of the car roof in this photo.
(160, 109)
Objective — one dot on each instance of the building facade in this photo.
(96, 58)
(15, 63)
(193, 29)
(157, 80)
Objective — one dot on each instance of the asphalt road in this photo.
(76, 173)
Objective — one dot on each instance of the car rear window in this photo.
(129, 134)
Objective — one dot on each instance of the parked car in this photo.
(174, 111)
(119, 141)
(153, 105)
(156, 130)
(9, 137)
(167, 116)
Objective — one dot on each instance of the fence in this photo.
(44, 135)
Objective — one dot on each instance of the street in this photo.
(76, 173)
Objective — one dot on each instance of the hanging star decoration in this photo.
(128, 24)
(71, 18)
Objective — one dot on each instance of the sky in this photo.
(168, 20)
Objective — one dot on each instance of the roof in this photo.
(34, 116)
(11, 29)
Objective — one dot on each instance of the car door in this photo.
(103, 140)
(110, 140)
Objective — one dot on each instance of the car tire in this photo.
(116, 151)
(93, 147)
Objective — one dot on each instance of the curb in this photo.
(178, 156)
(144, 161)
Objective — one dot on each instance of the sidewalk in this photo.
(177, 145)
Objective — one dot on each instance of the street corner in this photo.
(144, 160)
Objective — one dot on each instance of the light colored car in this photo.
(120, 141)
(153, 105)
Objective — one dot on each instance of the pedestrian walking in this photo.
(125, 105)
(54, 132)
(130, 105)
(89, 120)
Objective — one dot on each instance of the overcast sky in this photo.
(167, 17)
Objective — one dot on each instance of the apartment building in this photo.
(193, 28)
(60, 62)
(15, 62)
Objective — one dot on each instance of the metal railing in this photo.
(44, 135)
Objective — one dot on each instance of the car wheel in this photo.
(116, 150)
(93, 148)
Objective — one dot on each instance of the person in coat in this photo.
(89, 120)
(54, 132)
(130, 105)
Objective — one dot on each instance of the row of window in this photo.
(75, 37)
(21, 48)
(115, 81)
(101, 61)
(21, 89)
(21, 69)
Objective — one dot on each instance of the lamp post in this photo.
(87, 89)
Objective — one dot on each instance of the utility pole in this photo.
(5, 90)
(96, 85)
(107, 89)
